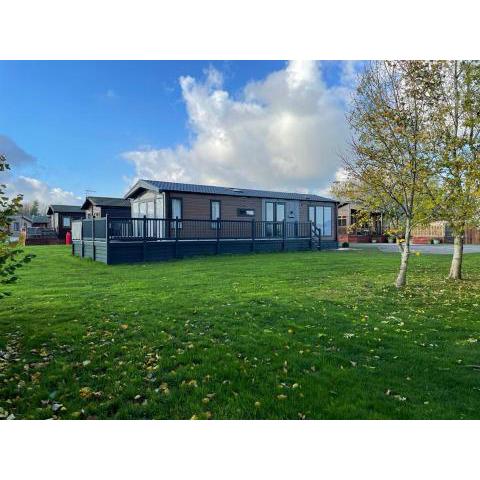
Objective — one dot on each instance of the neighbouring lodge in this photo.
(98, 207)
(350, 232)
(53, 227)
(374, 228)
(168, 220)
(62, 216)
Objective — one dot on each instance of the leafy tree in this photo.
(456, 136)
(390, 122)
(34, 209)
(11, 256)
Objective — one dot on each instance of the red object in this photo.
(68, 238)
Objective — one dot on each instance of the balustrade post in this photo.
(144, 237)
(311, 231)
(93, 238)
(253, 235)
(176, 237)
(83, 245)
(107, 236)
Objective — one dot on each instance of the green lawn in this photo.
(280, 336)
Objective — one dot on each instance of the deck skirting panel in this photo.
(116, 252)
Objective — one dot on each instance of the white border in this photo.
(247, 29)
(242, 29)
(238, 450)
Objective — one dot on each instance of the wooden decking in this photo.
(115, 241)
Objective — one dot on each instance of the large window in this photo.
(327, 221)
(176, 211)
(321, 218)
(274, 213)
(280, 213)
(176, 208)
(269, 212)
(215, 211)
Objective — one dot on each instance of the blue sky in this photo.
(78, 118)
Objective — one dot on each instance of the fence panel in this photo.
(87, 229)
(100, 228)
(77, 230)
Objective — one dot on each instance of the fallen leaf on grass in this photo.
(57, 406)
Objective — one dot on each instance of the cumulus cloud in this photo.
(35, 189)
(31, 188)
(283, 132)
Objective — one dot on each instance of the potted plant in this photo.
(392, 235)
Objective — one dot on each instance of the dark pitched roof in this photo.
(40, 219)
(212, 190)
(64, 209)
(18, 217)
(105, 202)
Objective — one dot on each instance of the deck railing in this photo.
(152, 229)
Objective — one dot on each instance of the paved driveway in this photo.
(442, 249)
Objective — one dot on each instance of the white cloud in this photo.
(34, 189)
(284, 132)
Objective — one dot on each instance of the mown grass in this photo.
(282, 336)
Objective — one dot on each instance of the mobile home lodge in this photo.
(173, 220)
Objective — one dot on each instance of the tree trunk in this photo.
(456, 266)
(402, 274)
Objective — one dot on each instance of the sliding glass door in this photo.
(321, 217)
(274, 213)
